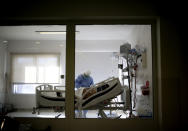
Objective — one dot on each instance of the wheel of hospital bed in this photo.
(110, 115)
(103, 115)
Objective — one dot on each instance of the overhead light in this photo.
(51, 32)
(5, 41)
(37, 42)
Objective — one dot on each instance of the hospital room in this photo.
(113, 71)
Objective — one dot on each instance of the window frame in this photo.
(70, 63)
(151, 22)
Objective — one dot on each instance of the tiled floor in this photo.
(49, 113)
(44, 113)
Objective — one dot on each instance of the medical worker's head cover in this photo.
(87, 73)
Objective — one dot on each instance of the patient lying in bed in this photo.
(86, 92)
(105, 90)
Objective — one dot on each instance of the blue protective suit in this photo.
(83, 81)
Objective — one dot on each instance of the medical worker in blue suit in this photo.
(84, 80)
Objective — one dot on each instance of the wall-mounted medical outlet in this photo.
(62, 76)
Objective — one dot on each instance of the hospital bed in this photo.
(49, 96)
(97, 96)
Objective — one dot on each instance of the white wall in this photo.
(99, 45)
(142, 37)
(3, 55)
(101, 64)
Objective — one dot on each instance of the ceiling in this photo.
(86, 32)
(29, 32)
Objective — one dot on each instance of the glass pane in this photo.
(35, 62)
(113, 71)
(24, 66)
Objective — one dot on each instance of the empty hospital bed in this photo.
(49, 96)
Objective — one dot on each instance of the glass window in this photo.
(36, 69)
(113, 71)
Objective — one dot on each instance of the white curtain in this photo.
(35, 68)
